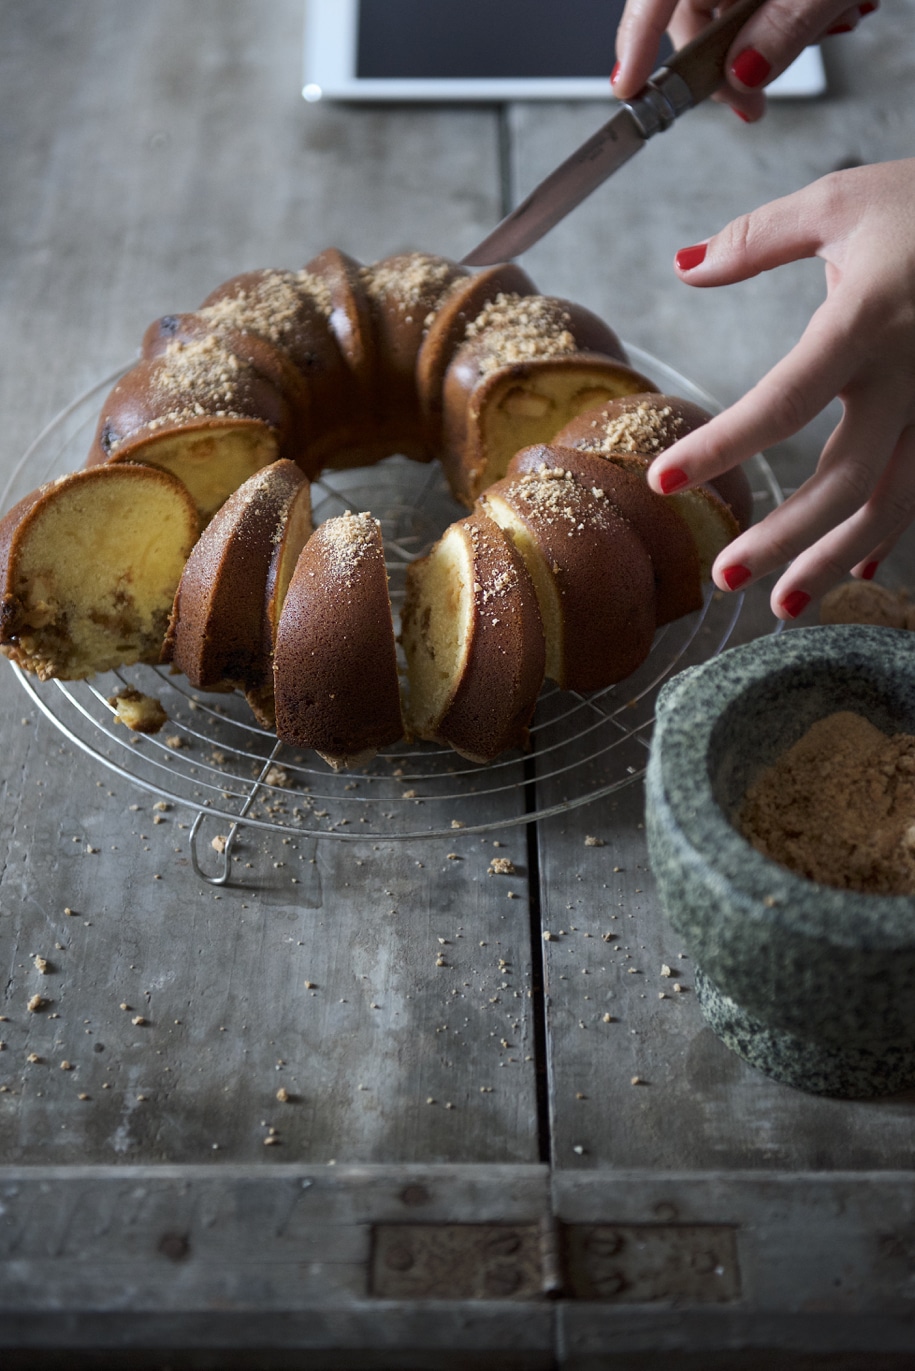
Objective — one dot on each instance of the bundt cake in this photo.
(342, 365)
(473, 640)
(335, 663)
(227, 607)
(565, 566)
(88, 569)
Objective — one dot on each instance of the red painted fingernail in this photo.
(750, 68)
(672, 480)
(869, 571)
(840, 28)
(736, 576)
(687, 258)
(795, 603)
(866, 9)
(740, 115)
(614, 74)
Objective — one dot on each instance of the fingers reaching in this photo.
(858, 347)
(876, 526)
(793, 393)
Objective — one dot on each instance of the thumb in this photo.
(782, 231)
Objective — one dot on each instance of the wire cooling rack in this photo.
(214, 760)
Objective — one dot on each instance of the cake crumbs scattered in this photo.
(501, 866)
(138, 712)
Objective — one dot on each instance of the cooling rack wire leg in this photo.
(223, 877)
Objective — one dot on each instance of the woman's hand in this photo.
(859, 346)
(767, 44)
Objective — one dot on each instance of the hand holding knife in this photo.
(689, 77)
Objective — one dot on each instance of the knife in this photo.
(689, 77)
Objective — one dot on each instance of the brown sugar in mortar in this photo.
(839, 807)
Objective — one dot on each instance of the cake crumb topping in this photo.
(418, 280)
(273, 305)
(643, 428)
(839, 807)
(521, 328)
(555, 497)
(346, 541)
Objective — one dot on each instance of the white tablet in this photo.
(487, 50)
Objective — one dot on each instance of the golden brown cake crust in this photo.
(649, 424)
(217, 633)
(198, 386)
(335, 664)
(678, 584)
(489, 704)
(601, 571)
(404, 293)
(446, 331)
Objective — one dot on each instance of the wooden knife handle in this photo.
(701, 63)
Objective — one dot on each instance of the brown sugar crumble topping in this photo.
(839, 807)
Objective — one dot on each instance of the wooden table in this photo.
(466, 1171)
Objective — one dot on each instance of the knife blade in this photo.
(690, 76)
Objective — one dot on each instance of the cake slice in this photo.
(632, 430)
(231, 591)
(446, 330)
(473, 639)
(592, 573)
(88, 570)
(404, 293)
(667, 538)
(335, 664)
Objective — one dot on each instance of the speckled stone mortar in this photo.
(815, 986)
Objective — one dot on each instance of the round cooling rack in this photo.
(212, 757)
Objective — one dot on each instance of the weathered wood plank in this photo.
(183, 1257)
(819, 1268)
(159, 149)
(694, 1104)
(155, 150)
